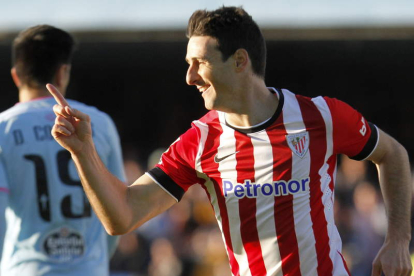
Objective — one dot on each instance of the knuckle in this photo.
(58, 120)
(57, 108)
(53, 131)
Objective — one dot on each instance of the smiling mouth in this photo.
(203, 89)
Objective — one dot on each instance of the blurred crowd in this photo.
(186, 240)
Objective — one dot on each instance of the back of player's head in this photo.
(233, 28)
(38, 52)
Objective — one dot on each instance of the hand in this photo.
(393, 259)
(72, 129)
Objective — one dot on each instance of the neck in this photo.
(27, 93)
(256, 105)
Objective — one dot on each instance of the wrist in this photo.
(87, 151)
(398, 238)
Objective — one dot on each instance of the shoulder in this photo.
(321, 102)
(206, 123)
(209, 117)
(11, 112)
(199, 129)
(16, 115)
(336, 106)
(92, 111)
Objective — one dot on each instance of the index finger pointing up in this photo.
(57, 95)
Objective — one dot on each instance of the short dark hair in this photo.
(37, 53)
(233, 28)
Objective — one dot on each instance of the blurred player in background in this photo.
(265, 156)
(47, 224)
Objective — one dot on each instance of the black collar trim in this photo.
(268, 122)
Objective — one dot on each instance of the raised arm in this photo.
(120, 208)
(393, 167)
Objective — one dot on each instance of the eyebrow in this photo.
(196, 58)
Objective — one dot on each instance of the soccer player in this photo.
(266, 158)
(51, 228)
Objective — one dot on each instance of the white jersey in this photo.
(51, 227)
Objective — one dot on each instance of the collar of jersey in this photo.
(269, 121)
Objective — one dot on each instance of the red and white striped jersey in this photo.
(272, 185)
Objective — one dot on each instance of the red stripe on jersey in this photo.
(317, 148)
(234, 265)
(302, 144)
(332, 165)
(346, 267)
(247, 206)
(283, 208)
(350, 130)
(208, 162)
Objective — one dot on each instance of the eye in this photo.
(202, 61)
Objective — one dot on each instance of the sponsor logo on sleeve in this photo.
(363, 129)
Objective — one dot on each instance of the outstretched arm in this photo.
(393, 167)
(121, 209)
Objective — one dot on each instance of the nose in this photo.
(192, 75)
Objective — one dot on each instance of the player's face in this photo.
(207, 71)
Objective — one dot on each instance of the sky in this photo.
(164, 14)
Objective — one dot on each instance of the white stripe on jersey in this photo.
(328, 194)
(227, 170)
(209, 185)
(203, 138)
(300, 169)
(263, 165)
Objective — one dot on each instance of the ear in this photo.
(62, 76)
(15, 77)
(241, 58)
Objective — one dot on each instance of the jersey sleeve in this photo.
(176, 172)
(353, 135)
(4, 183)
(4, 199)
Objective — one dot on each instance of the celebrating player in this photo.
(48, 225)
(266, 158)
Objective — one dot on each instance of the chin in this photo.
(209, 106)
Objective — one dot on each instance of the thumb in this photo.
(376, 269)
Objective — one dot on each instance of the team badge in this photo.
(298, 143)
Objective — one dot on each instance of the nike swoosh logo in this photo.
(219, 159)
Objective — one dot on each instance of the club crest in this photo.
(298, 143)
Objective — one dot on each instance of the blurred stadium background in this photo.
(130, 64)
